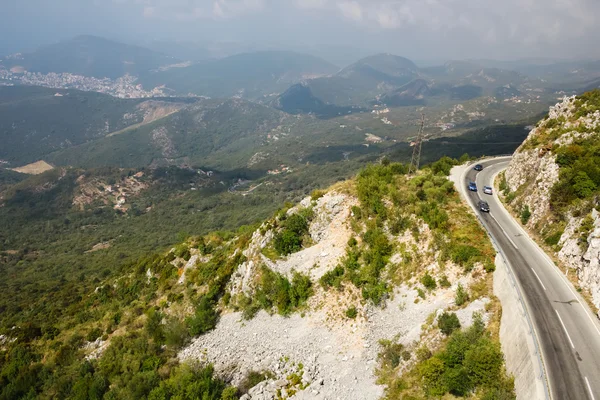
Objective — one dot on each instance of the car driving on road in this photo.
(472, 186)
(478, 167)
(488, 190)
(484, 206)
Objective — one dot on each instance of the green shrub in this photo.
(464, 254)
(390, 354)
(376, 292)
(188, 381)
(253, 378)
(317, 194)
(428, 281)
(175, 333)
(484, 362)
(204, 319)
(94, 334)
(432, 371)
(287, 242)
(525, 214)
(332, 278)
(275, 290)
(300, 290)
(444, 282)
(448, 323)
(461, 296)
(553, 238)
(489, 266)
(351, 312)
(421, 293)
(289, 239)
(154, 326)
(182, 251)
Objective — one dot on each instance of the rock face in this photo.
(328, 230)
(532, 174)
(589, 274)
(538, 173)
(322, 353)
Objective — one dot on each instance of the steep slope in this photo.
(209, 132)
(36, 121)
(90, 56)
(378, 286)
(552, 183)
(246, 75)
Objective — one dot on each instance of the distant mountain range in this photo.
(299, 83)
(248, 75)
(90, 56)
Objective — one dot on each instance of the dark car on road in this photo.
(472, 186)
(478, 167)
(484, 206)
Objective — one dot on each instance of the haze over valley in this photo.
(307, 199)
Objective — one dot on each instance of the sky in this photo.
(418, 29)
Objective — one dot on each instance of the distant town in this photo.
(124, 87)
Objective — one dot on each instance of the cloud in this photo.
(434, 28)
(311, 4)
(351, 10)
(235, 8)
(189, 10)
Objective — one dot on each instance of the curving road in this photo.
(568, 332)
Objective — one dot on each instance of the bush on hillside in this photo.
(204, 319)
(428, 281)
(461, 296)
(448, 323)
(525, 215)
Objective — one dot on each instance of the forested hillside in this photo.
(215, 133)
(116, 330)
(35, 121)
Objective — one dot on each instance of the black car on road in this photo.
(478, 167)
(484, 206)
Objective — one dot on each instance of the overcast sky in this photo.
(418, 29)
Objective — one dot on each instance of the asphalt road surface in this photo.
(568, 332)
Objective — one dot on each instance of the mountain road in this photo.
(568, 332)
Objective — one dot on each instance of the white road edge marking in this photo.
(553, 266)
(589, 388)
(503, 231)
(565, 328)
(538, 278)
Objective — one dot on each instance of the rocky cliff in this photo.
(552, 184)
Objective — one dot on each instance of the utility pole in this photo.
(416, 156)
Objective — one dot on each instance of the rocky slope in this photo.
(320, 352)
(379, 287)
(552, 183)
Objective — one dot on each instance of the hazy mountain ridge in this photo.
(90, 56)
(249, 74)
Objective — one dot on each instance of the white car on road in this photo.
(487, 190)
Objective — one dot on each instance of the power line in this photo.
(416, 156)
